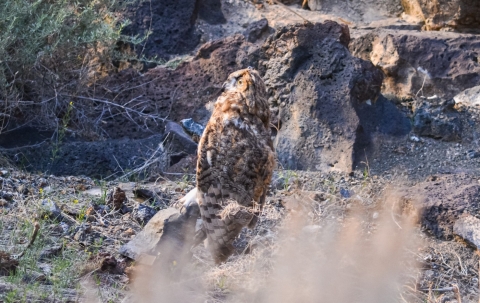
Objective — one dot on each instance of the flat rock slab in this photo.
(468, 228)
(148, 238)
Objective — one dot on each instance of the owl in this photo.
(235, 162)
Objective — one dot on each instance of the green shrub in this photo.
(50, 49)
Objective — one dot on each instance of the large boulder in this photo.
(316, 85)
(315, 89)
(461, 15)
(422, 63)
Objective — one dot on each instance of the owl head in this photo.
(248, 84)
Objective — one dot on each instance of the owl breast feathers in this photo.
(235, 161)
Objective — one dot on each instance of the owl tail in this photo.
(223, 219)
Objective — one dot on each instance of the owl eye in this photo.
(240, 82)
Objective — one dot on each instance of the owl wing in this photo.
(233, 171)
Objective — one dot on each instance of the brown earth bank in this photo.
(375, 197)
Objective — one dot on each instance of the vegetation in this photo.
(52, 49)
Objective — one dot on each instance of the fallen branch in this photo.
(456, 291)
(36, 228)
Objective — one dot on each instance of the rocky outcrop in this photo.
(315, 83)
(180, 93)
(169, 26)
(463, 15)
(315, 86)
(422, 63)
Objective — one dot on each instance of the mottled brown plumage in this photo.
(235, 161)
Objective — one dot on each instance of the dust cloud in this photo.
(358, 258)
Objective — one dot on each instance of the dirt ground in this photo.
(331, 237)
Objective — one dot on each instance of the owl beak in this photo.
(223, 87)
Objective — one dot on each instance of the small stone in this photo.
(81, 232)
(345, 193)
(129, 232)
(143, 213)
(110, 264)
(414, 139)
(3, 203)
(149, 237)
(116, 197)
(51, 251)
(471, 154)
(51, 210)
(468, 228)
(31, 276)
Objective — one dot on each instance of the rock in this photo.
(81, 232)
(315, 5)
(423, 63)
(345, 193)
(437, 123)
(8, 265)
(171, 27)
(148, 238)
(468, 228)
(144, 193)
(186, 166)
(471, 154)
(177, 239)
(462, 15)
(441, 200)
(31, 276)
(50, 251)
(50, 209)
(468, 98)
(256, 30)
(311, 75)
(192, 127)
(6, 195)
(178, 141)
(116, 198)
(129, 232)
(211, 11)
(109, 264)
(3, 203)
(143, 213)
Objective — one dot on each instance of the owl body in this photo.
(235, 162)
